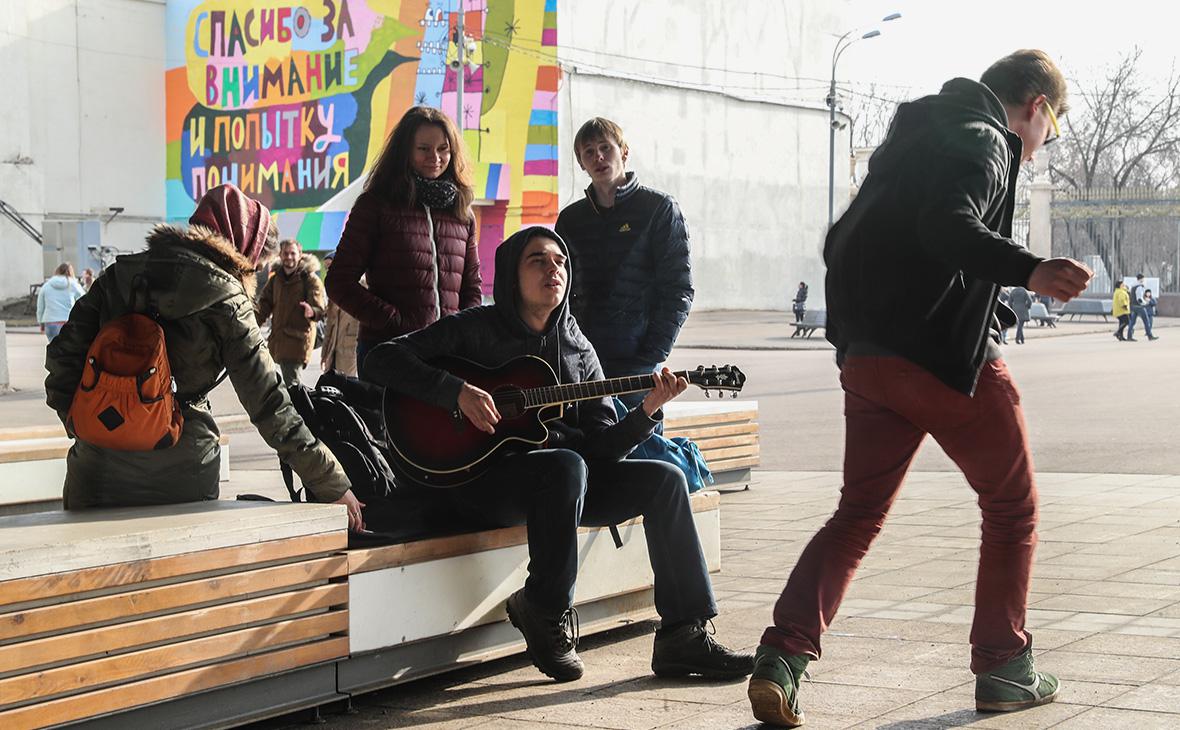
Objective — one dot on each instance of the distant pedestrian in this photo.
(1021, 302)
(56, 298)
(294, 298)
(340, 335)
(1138, 311)
(1120, 309)
(799, 303)
(87, 278)
(1149, 307)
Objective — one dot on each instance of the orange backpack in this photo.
(126, 399)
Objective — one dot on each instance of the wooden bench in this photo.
(813, 319)
(106, 611)
(221, 613)
(33, 467)
(726, 431)
(1082, 307)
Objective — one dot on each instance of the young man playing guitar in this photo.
(578, 477)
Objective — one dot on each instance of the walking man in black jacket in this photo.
(914, 269)
(629, 246)
(578, 478)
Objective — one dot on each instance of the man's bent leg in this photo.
(543, 490)
(683, 647)
(619, 491)
(995, 458)
(879, 447)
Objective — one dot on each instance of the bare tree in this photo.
(871, 110)
(1120, 134)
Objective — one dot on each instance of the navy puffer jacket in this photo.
(634, 285)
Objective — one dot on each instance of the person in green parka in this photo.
(201, 281)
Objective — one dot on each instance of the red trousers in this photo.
(890, 405)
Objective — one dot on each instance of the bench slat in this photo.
(705, 432)
(709, 419)
(726, 441)
(125, 667)
(22, 590)
(751, 450)
(91, 642)
(723, 465)
(169, 597)
(165, 687)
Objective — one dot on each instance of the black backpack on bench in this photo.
(338, 412)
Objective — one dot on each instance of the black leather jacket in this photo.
(494, 334)
(916, 263)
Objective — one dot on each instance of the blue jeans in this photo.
(554, 491)
(363, 348)
(53, 329)
(1137, 313)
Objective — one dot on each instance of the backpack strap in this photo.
(614, 535)
(289, 481)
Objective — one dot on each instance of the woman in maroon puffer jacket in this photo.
(411, 233)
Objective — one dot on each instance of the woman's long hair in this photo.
(393, 175)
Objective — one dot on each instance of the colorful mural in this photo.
(292, 100)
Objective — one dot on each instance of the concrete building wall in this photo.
(745, 153)
(83, 128)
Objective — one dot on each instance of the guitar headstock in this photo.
(724, 378)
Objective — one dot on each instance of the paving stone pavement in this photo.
(1104, 613)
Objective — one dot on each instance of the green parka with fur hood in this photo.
(203, 290)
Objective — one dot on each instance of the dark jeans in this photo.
(363, 348)
(1138, 313)
(1020, 331)
(799, 312)
(1123, 319)
(553, 491)
(890, 405)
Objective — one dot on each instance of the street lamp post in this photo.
(842, 45)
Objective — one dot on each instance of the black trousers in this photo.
(554, 491)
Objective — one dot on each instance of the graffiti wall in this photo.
(292, 101)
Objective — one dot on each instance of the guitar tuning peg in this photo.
(707, 395)
(733, 394)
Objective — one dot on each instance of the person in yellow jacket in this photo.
(1121, 309)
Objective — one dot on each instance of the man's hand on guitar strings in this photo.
(479, 408)
(667, 387)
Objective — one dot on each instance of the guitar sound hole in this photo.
(509, 401)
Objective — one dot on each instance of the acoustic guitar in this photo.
(439, 448)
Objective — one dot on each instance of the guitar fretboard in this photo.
(553, 395)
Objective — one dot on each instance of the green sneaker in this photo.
(774, 687)
(1014, 686)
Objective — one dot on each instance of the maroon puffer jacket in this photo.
(414, 278)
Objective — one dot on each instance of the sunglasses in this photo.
(1056, 133)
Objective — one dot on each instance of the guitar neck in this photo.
(554, 395)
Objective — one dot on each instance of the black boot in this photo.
(689, 649)
(550, 639)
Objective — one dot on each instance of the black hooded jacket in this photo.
(916, 263)
(494, 334)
